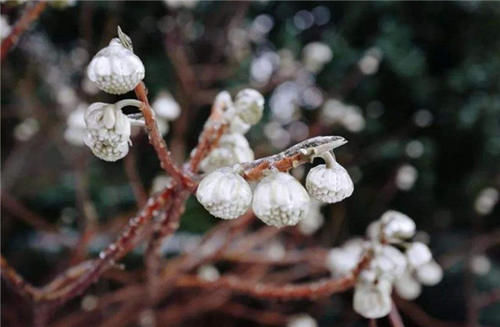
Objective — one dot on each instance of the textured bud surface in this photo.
(115, 69)
(233, 148)
(329, 184)
(108, 131)
(249, 105)
(224, 194)
(280, 200)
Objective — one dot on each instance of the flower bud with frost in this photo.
(329, 183)
(280, 200)
(249, 106)
(116, 69)
(224, 194)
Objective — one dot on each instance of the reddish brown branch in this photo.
(312, 290)
(134, 179)
(395, 317)
(19, 210)
(31, 13)
(19, 285)
(157, 141)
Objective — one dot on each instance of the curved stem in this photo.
(329, 158)
(128, 102)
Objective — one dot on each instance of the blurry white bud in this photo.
(116, 69)
(316, 55)
(373, 300)
(406, 177)
(332, 111)
(276, 250)
(429, 273)
(302, 320)
(329, 183)
(76, 129)
(418, 254)
(397, 225)
(238, 126)
(26, 129)
(249, 105)
(163, 126)
(353, 119)
(368, 64)
(480, 265)
(342, 260)
(407, 287)
(373, 230)
(280, 200)
(224, 194)
(4, 27)
(233, 148)
(174, 4)
(313, 220)
(208, 273)
(108, 131)
(389, 261)
(160, 183)
(486, 201)
(89, 302)
(166, 107)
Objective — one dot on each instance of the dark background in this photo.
(441, 57)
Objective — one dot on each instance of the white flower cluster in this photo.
(396, 261)
(278, 199)
(233, 147)
(115, 70)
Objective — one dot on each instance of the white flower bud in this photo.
(329, 184)
(313, 220)
(238, 126)
(429, 273)
(341, 261)
(373, 300)
(160, 183)
(397, 225)
(166, 107)
(116, 69)
(302, 320)
(208, 273)
(407, 287)
(4, 27)
(373, 230)
(389, 261)
(233, 148)
(224, 194)
(108, 131)
(249, 105)
(280, 200)
(76, 129)
(418, 254)
(316, 54)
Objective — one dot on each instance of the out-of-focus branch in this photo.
(134, 179)
(17, 209)
(420, 317)
(19, 285)
(395, 317)
(31, 13)
(310, 290)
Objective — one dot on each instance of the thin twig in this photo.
(395, 317)
(31, 13)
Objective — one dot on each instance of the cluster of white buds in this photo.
(279, 199)
(233, 147)
(116, 70)
(166, 109)
(395, 261)
(108, 129)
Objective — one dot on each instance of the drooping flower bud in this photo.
(407, 287)
(224, 194)
(108, 131)
(373, 300)
(397, 225)
(429, 273)
(280, 200)
(418, 254)
(249, 105)
(116, 69)
(329, 184)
